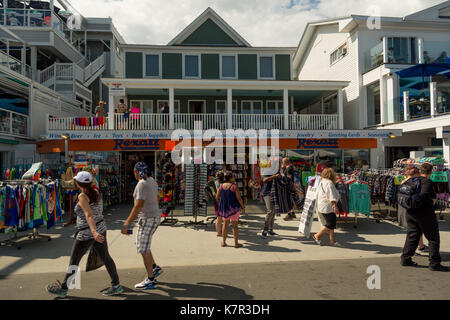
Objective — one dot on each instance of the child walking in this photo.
(230, 206)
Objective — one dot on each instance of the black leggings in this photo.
(81, 247)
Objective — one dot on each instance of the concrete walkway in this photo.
(180, 245)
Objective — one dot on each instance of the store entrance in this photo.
(196, 107)
(128, 160)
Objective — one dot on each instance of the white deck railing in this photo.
(258, 121)
(161, 121)
(77, 123)
(205, 121)
(141, 121)
(313, 122)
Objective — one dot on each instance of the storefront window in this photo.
(373, 104)
(331, 157)
(355, 159)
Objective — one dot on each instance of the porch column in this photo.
(385, 50)
(229, 108)
(446, 147)
(286, 108)
(382, 100)
(171, 108)
(30, 113)
(420, 49)
(23, 59)
(33, 63)
(405, 105)
(433, 98)
(111, 124)
(340, 105)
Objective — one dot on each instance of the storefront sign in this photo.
(167, 134)
(317, 143)
(149, 144)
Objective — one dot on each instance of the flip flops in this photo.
(317, 241)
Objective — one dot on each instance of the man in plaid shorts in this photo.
(146, 207)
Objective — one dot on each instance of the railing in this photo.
(436, 51)
(373, 57)
(258, 121)
(313, 122)
(209, 121)
(77, 123)
(94, 66)
(14, 64)
(47, 76)
(13, 123)
(161, 121)
(141, 121)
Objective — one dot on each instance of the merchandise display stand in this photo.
(196, 177)
(72, 220)
(169, 221)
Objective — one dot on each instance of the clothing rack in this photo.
(34, 235)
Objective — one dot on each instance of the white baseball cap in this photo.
(83, 177)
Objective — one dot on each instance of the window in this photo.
(145, 106)
(338, 54)
(162, 103)
(228, 67)
(373, 104)
(152, 68)
(275, 107)
(266, 67)
(252, 107)
(402, 50)
(221, 106)
(191, 66)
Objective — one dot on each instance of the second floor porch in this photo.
(159, 104)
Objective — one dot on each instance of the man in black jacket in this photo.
(423, 221)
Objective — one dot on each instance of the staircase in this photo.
(70, 79)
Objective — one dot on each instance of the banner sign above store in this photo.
(167, 134)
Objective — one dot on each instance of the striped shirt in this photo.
(97, 210)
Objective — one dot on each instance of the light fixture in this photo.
(392, 136)
(65, 136)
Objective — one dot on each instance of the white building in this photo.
(356, 49)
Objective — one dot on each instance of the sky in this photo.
(260, 22)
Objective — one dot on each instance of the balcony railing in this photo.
(14, 64)
(77, 123)
(13, 123)
(313, 122)
(258, 121)
(208, 121)
(161, 121)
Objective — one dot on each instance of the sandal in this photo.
(317, 240)
(219, 235)
(223, 244)
(238, 245)
(336, 244)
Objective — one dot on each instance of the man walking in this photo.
(422, 220)
(147, 209)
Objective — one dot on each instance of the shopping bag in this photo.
(94, 260)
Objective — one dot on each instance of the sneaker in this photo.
(57, 289)
(288, 217)
(438, 267)
(272, 233)
(264, 234)
(409, 263)
(114, 290)
(423, 249)
(146, 284)
(157, 271)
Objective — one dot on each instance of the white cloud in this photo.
(260, 22)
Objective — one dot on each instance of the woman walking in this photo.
(230, 206)
(327, 199)
(219, 222)
(91, 232)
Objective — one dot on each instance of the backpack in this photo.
(409, 194)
